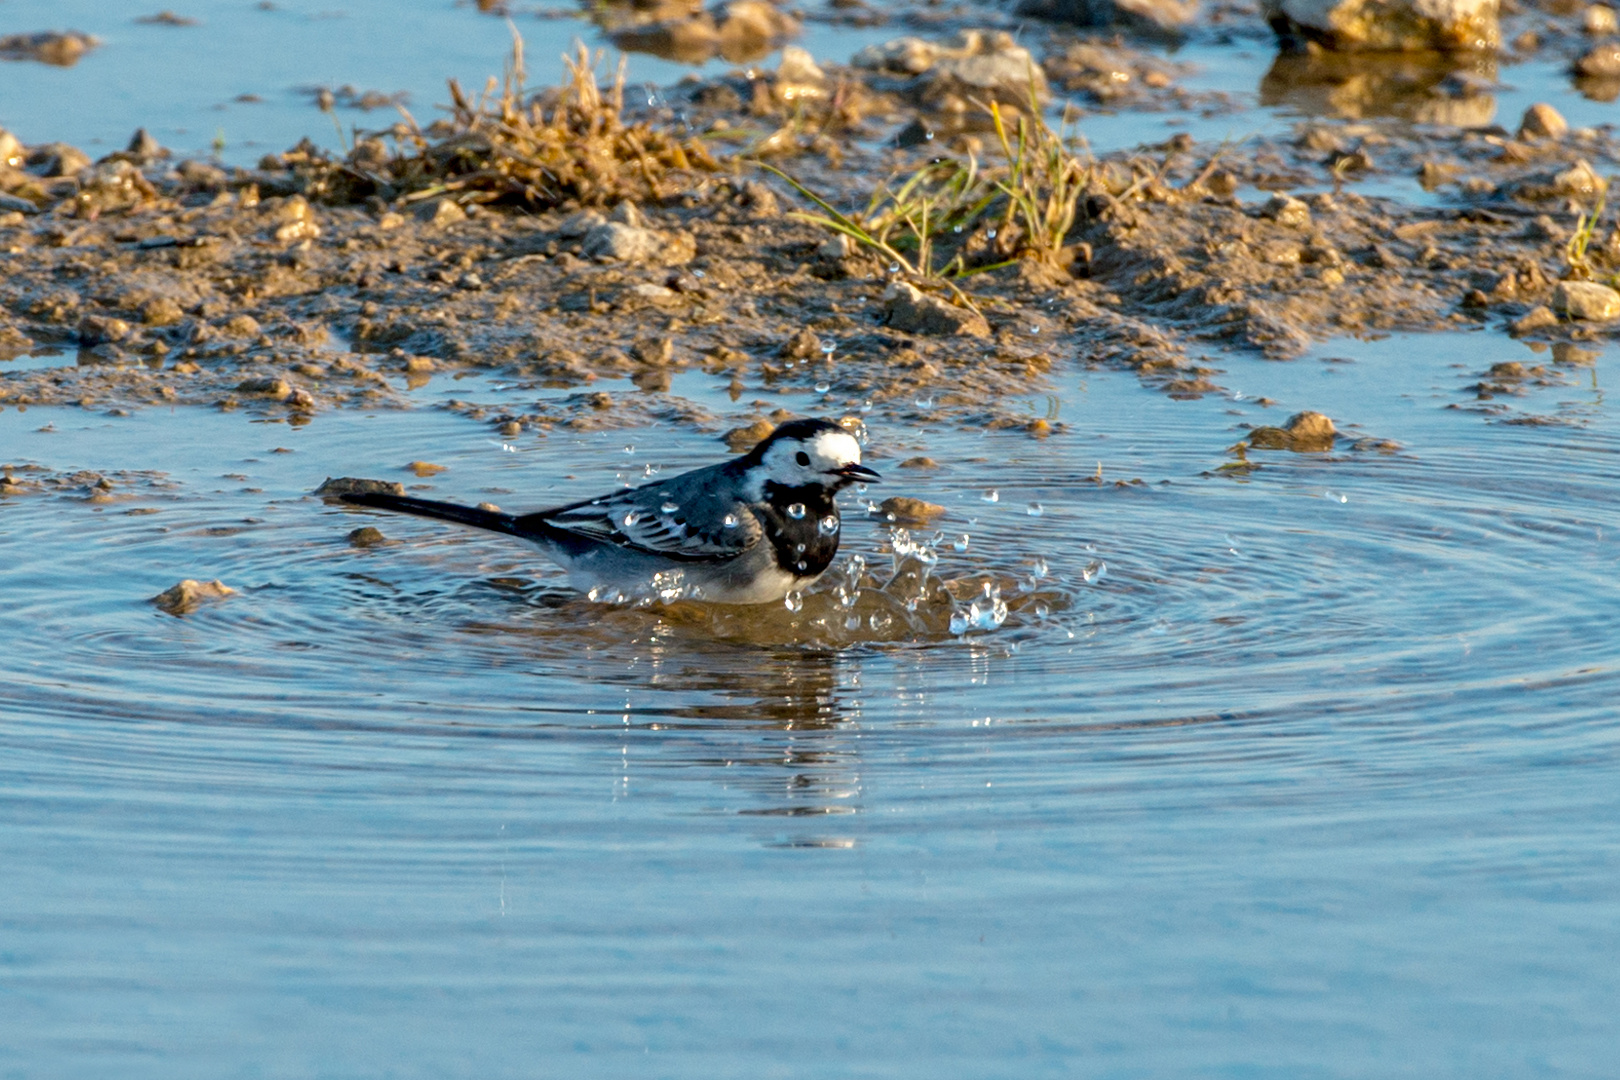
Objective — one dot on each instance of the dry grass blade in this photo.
(568, 146)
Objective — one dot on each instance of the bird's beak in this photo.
(859, 472)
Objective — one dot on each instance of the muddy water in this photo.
(1308, 772)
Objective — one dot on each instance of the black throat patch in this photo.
(796, 521)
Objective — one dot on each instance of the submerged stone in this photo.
(188, 594)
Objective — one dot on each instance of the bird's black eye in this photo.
(802, 458)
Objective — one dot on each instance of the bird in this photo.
(751, 530)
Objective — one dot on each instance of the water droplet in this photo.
(802, 565)
(959, 623)
(823, 387)
(929, 136)
(630, 449)
(961, 543)
(1035, 509)
(799, 550)
(631, 518)
(879, 621)
(796, 511)
(793, 601)
(990, 234)
(670, 507)
(1042, 610)
(1034, 330)
(699, 274)
(956, 228)
(828, 525)
(829, 346)
(991, 495)
(866, 406)
(595, 593)
(730, 521)
(925, 403)
(1039, 568)
(894, 268)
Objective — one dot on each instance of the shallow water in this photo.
(1317, 779)
(238, 84)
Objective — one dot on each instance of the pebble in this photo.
(745, 438)
(442, 213)
(1287, 211)
(906, 510)
(919, 463)
(425, 468)
(914, 311)
(1539, 317)
(1587, 300)
(332, 487)
(1542, 121)
(1602, 61)
(188, 594)
(161, 311)
(272, 388)
(366, 536)
(1599, 21)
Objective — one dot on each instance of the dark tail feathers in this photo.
(492, 520)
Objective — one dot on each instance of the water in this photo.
(1318, 778)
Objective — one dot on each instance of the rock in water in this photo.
(1587, 300)
(184, 597)
(1387, 25)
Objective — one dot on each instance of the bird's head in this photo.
(805, 453)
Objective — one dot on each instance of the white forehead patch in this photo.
(834, 448)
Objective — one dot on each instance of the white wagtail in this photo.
(745, 531)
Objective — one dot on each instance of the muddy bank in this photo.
(325, 279)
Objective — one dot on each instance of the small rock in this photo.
(56, 160)
(904, 510)
(420, 365)
(102, 329)
(919, 463)
(58, 48)
(273, 388)
(578, 224)
(1602, 61)
(425, 468)
(333, 488)
(798, 76)
(511, 428)
(1287, 211)
(838, 246)
(654, 294)
(803, 345)
(1542, 121)
(628, 213)
(1587, 300)
(188, 594)
(1599, 21)
(619, 242)
(241, 326)
(1539, 317)
(1386, 25)
(1305, 432)
(366, 536)
(161, 311)
(142, 145)
(442, 213)
(200, 174)
(389, 220)
(743, 439)
(909, 309)
(656, 351)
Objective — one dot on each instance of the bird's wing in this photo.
(681, 520)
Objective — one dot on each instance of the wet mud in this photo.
(324, 279)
